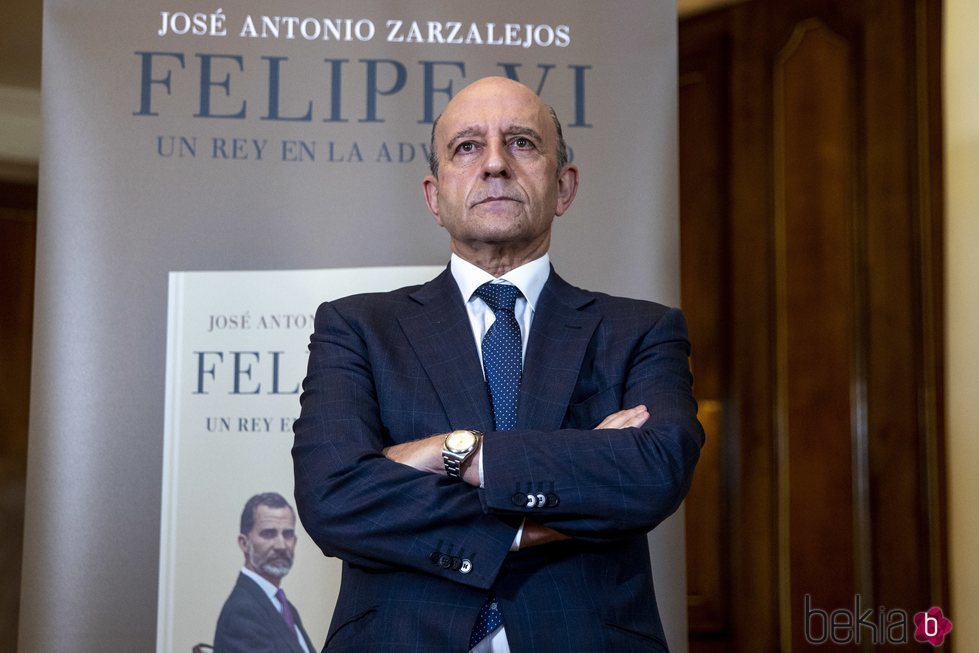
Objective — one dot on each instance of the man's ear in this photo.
(431, 187)
(243, 543)
(567, 188)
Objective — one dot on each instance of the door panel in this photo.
(810, 253)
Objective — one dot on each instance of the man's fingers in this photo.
(627, 418)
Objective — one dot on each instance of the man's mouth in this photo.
(495, 198)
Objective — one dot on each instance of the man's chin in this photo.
(277, 571)
(497, 228)
(508, 210)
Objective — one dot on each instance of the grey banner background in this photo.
(116, 217)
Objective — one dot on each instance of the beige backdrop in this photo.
(173, 152)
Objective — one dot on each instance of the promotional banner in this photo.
(282, 136)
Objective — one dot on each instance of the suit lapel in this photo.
(559, 336)
(272, 615)
(441, 337)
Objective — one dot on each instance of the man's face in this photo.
(498, 182)
(271, 544)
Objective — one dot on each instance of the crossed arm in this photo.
(381, 506)
(426, 455)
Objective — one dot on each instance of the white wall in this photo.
(962, 310)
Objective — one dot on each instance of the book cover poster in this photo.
(236, 357)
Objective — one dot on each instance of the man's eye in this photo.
(467, 147)
(522, 143)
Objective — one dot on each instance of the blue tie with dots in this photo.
(502, 354)
(489, 619)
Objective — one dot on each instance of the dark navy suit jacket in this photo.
(421, 551)
(249, 623)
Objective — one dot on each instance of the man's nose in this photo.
(497, 161)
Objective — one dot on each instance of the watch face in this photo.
(460, 441)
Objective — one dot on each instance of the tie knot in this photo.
(498, 295)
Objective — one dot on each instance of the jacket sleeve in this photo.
(601, 484)
(363, 508)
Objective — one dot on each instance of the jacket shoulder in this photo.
(609, 304)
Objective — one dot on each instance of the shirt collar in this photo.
(529, 277)
(266, 586)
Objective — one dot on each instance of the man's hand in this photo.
(626, 418)
(535, 534)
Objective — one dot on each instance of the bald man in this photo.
(487, 452)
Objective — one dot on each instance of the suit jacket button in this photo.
(531, 500)
(434, 557)
(456, 563)
(541, 500)
(519, 499)
(466, 566)
(445, 561)
(552, 500)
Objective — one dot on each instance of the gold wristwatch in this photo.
(456, 448)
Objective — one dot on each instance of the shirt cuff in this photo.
(481, 466)
(516, 540)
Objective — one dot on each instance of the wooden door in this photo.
(810, 249)
(18, 214)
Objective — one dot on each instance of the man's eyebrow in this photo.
(518, 130)
(465, 132)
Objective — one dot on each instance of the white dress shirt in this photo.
(529, 278)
